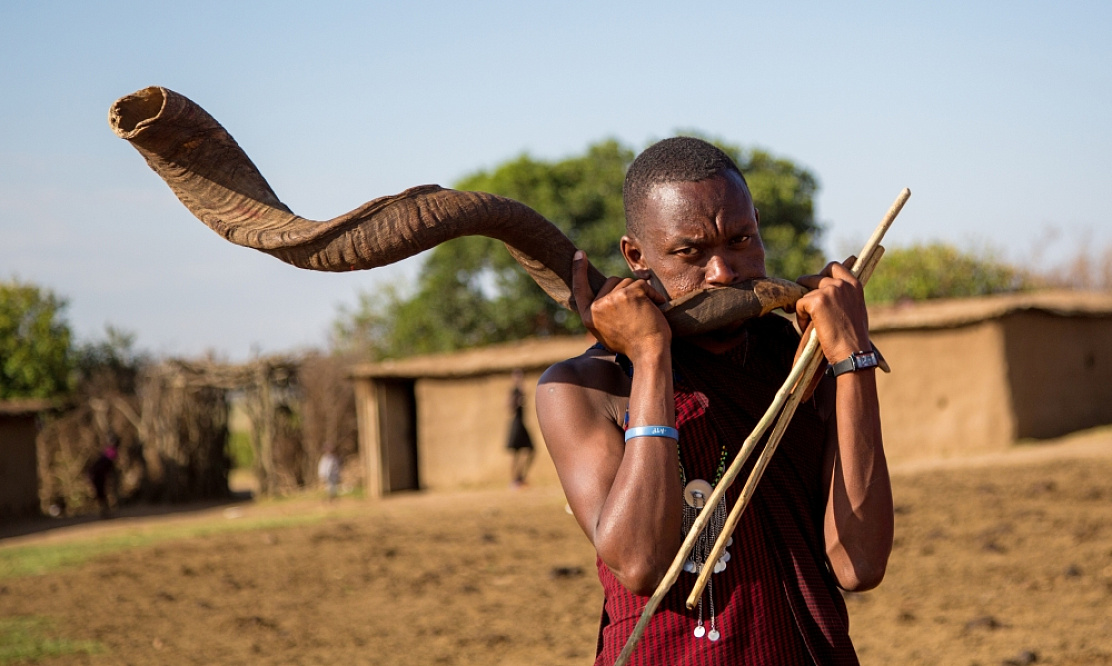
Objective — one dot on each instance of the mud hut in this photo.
(969, 376)
(19, 476)
(440, 422)
(976, 375)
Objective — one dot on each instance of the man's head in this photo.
(690, 221)
(681, 159)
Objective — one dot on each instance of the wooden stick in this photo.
(747, 447)
(866, 274)
(810, 360)
(867, 270)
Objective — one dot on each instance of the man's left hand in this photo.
(836, 308)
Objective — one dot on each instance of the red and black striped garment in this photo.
(776, 602)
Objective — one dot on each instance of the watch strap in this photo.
(861, 360)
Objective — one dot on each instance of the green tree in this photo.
(471, 292)
(784, 194)
(940, 270)
(36, 354)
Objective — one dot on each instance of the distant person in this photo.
(328, 470)
(102, 472)
(519, 443)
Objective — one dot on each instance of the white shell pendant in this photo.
(700, 631)
(713, 635)
(696, 492)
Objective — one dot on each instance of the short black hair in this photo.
(681, 159)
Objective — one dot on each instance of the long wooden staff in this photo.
(787, 399)
(810, 361)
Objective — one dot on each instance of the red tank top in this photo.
(775, 603)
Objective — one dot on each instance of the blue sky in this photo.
(996, 115)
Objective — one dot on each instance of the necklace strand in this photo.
(697, 489)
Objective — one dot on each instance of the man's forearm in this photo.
(639, 528)
(858, 523)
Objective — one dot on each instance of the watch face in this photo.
(865, 360)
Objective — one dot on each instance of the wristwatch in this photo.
(861, 360)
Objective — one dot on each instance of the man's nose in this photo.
(720, 273)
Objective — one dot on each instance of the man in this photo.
(822, 516)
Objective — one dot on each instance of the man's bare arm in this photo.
(625, 495)
(858, 522)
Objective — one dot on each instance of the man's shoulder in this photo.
(595, 368)
(589, 388)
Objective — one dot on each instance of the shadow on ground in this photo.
(43, 524)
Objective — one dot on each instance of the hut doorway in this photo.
(397, 432)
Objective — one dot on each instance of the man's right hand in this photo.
(624, 315)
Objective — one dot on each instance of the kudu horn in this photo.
(219, 184)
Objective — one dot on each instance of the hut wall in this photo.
(947, 394)
(19, 476)
(462, 424)
(969, 377)
(1058, 370)
(366, 409)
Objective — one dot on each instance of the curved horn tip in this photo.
(130, 111)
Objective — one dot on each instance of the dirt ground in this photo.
(1001, 560)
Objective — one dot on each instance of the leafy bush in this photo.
(940, 270)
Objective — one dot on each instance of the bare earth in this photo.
(1001, 560)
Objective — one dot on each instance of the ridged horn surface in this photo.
(710, 309)
(219, 184)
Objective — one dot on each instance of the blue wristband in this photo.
(653, 431)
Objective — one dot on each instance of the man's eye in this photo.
(686, 251)
(740, 240)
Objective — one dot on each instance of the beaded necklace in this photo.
(695, 494)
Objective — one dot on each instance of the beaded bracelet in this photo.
(652, 431)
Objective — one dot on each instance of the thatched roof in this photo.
(531, 354)
(25, 406)
(535, 354)
(952, 313)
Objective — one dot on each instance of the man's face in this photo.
(697, 235)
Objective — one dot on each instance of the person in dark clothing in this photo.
(102, 473)
(519, 442)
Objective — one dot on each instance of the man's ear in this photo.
(635, 259)
(757, 215)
